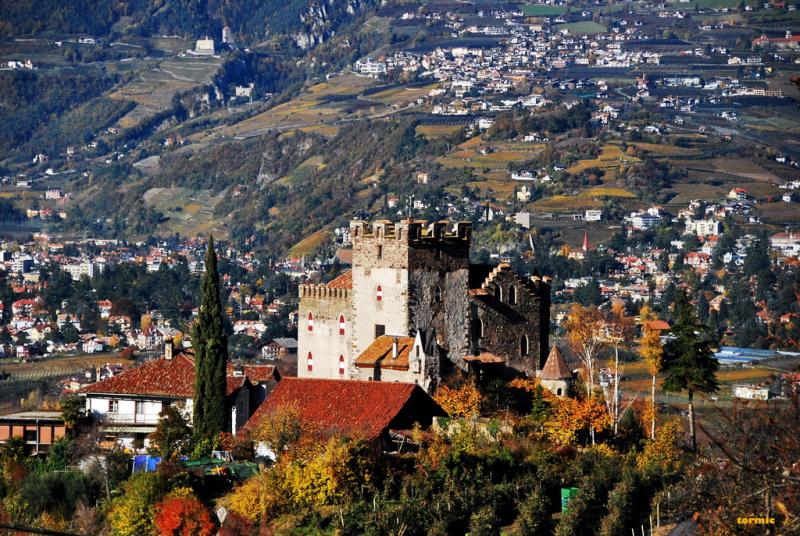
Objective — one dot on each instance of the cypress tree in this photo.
(211, 354)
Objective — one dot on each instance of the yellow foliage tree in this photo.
(569, 416)
(331, 476)
(664, 451)
(177, 340)
(266, 495)
(462, 402)
(145, 322)
(113, 341)
(337, 471)
(285, 433)
(652, 353)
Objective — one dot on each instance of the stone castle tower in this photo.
(413, 277)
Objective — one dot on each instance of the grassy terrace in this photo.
(544, 10)
(584, 27)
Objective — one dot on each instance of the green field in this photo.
(543, 10)
(583, 27)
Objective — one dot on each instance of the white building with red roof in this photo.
(128, 405)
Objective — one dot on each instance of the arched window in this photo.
(379, 293)
(558, 391)
(478, 328)
(524, 348)
(310, 362)
(512, 295)
(341, 365)
(342, 324)
(310, 321)
(498, 292)
(437, 294)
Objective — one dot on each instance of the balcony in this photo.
(129, 418)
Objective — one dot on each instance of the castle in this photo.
(413, 307)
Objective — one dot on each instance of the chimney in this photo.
(394, 348)
(168, 349)
(97, 372)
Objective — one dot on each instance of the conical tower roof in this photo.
(555, 368)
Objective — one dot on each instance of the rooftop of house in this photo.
(345, 280)
(286, 342)
(357, 408)
(260, 373)
(657, 325)
(380, 352)
(234, 383)
(33, 416)
(172, 378)
(555, 368)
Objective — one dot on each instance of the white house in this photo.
(128, 405)
(593, 215)
(703, 227)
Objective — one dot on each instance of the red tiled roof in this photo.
(657, 325)
(343, 281)
(259, 373)
(345, 255)
(159, 377)
(380, 352)
(171, 378)
(233, 383)
(357, 408)
(255, 373)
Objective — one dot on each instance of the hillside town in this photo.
(409, 268)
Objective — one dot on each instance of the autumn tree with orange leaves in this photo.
(464, 401)
(182, 514)
(569, 416)
(566, 417)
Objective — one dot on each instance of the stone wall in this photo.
(504, 324)
(449, 316)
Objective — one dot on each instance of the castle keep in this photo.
(413, 306)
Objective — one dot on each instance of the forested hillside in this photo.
(264, 200)
(31, 101)
(250, 20)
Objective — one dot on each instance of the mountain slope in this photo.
(307, 22)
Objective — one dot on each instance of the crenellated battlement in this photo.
(324, 292)
(411, 231)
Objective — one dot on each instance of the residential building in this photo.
(705, 227)
(280, 348)
(128, 405)
(81, 269)
(593, 215)
(38, 429)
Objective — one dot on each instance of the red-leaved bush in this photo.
(183, 516)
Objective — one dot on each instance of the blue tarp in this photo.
(145, 463)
